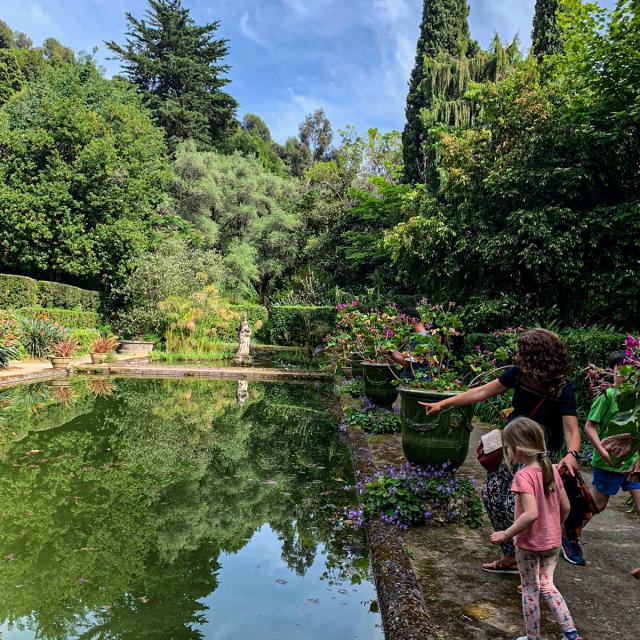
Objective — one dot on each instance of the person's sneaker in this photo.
(571, 635)
(572, 552)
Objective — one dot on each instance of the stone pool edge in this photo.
(402, 606)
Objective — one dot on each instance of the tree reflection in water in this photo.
(118, 500)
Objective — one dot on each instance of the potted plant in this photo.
(442, 438)
(63, 352)
(101, 347)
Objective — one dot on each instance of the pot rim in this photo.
(408, 391)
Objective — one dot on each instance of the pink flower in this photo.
(389, 334)
(354, 303)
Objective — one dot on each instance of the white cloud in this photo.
(250, 33)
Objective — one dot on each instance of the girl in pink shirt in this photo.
(541, 507)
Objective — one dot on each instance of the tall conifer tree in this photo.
(546, 37)
(444, 30)
(177, 67)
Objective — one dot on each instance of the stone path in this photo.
(467, 603)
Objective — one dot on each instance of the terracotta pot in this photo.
(98, 358)
(431, 441)
(60, 363)
(378, 384)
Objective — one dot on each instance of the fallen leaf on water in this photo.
(270, 482)
(83, 581)
(33, 452)
(143, 599)
(106, 607)
(87, 549)
(342, 591)
(313, 600)
(9, 557)
(281, 581)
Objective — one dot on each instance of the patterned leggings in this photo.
(499, 503)
(536, 574)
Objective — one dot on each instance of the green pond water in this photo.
(178, 509)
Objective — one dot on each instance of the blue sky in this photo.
(351, 57)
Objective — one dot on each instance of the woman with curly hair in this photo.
(541, 392)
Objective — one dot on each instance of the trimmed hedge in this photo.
(19, 291)
(253, 313)
(64, 296)
(71, 319)
(300, 326)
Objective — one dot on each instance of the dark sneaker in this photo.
(571, 635)
(572, 552)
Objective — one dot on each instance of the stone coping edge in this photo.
(43, 375)
(403, 609)
(219, 373)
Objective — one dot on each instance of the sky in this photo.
(352, 58)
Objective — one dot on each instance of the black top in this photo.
(549, 414)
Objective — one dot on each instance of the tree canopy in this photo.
(178, 68)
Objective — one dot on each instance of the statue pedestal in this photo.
(242, 360)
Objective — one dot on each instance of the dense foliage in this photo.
(177, 66)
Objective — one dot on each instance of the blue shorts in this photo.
(609, 483)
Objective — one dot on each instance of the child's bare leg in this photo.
(635, 494)
(600, 500)
(636, 573)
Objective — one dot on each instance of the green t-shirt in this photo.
(603, 410)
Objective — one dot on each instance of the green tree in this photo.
(6, 35)
(54, 51)
(22, 40)
(243, 211)
(296, 156)
(316, 134)
(547, 33)
(83, 172)
(444, 29)
(256, 125)
(11, 78)
(178, 67)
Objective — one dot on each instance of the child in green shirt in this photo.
(609, 476)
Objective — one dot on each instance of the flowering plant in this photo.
(627, 394)
(367, 334)
(66, 348)
(409, 494)
(8, 342)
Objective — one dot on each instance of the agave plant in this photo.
(104, 344)
(39, 336)
(66, 348)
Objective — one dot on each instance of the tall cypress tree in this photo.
(547, 35)
(176, 65)
(444, 30)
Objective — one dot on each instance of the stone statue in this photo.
(243, 354)
(242, 392)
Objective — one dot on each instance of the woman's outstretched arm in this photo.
(477, 394)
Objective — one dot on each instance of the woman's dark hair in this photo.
(411, 312)
(616, 358)
(543, 359)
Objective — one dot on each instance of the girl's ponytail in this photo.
(547, 472)
(525, 435)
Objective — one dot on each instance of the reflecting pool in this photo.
(181, 509)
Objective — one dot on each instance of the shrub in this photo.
(410, 494)
(104, 344)
(373, 420)
(85, 338)
(65, 317)
(64, 296)
(66, 348)
(353, 388)
(8, 342)
(39, 336)
(300, 326)
(18, 291)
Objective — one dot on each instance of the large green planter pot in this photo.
(378, 384)
(433, 440)
(356, 367)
